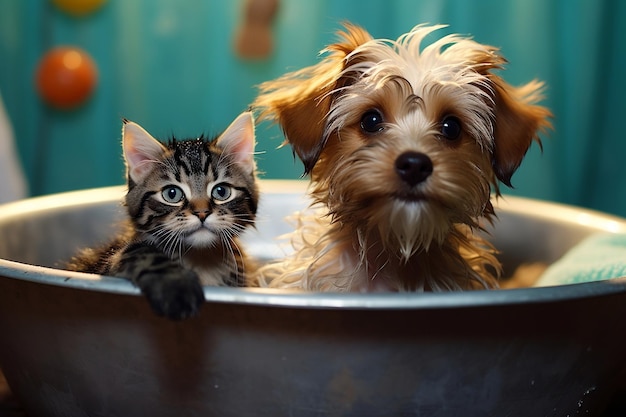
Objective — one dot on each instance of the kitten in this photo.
(187, 202)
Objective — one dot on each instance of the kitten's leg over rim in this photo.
(172, 290)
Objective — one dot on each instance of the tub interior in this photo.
(47, 231)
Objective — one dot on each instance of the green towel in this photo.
(597, 257)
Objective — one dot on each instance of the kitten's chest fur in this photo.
(217, 266)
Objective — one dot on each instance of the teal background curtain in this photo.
(170, 66)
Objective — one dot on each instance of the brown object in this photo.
(253, 38)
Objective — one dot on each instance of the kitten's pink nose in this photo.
(202, 215)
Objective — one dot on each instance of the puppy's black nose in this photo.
(414, 167)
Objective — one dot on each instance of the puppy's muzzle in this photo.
(413, 167)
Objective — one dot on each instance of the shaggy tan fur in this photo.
(373, 230)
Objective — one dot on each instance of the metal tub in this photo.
(75, 345)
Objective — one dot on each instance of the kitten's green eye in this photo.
(221, 192)
(172, 194)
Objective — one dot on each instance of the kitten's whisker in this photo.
(243, 218)
(238, 228)
(181, 253)
(171, 239)
(229, 241)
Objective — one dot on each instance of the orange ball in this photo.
(66, 77)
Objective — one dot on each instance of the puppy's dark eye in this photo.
(451, 128)
(372, 121)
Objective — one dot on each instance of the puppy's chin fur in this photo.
(374, 228)
(406, 228)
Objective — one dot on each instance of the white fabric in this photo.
(12, 183)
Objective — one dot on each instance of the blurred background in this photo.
(188, 67)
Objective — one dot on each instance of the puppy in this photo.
(404, 144)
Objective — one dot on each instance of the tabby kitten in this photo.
(187, 201)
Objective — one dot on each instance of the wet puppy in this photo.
(404, 144)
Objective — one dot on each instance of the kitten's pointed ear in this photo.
(141, 150)
(238, 140)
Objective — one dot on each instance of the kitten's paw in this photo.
(176, 298)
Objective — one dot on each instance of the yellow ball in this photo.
(78, 7)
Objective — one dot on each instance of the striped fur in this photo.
(187, 201)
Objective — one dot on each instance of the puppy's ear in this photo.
(300, 101)
(518, 121)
